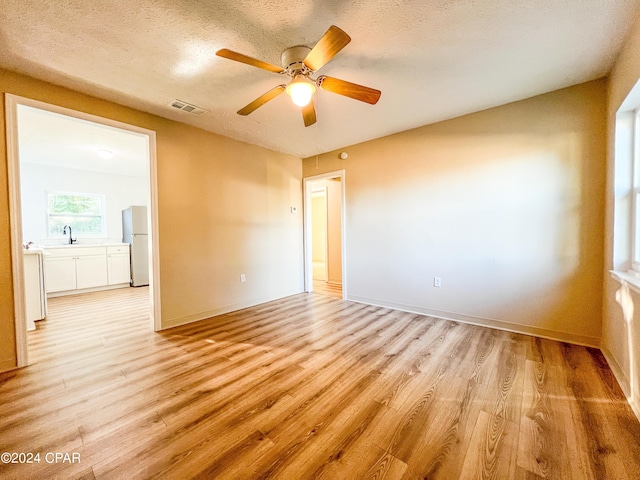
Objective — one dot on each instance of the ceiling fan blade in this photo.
(348, 89)
(238, 57)
(327, 47)
(261, 100)
(309, 114)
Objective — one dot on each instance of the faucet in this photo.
(64, 232)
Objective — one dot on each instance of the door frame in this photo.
(308, 254)
(15, 211)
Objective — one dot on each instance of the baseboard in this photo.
(567, 337)
(87, 290)
(196, 317)
(623, 381)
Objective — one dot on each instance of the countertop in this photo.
(33, 251)
(80, 245)
(41, 250)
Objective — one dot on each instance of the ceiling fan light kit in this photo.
(300, 63)
(300, 90)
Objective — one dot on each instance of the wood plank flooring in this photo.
(325, 288)
(307, 387)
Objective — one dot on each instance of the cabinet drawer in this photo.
(60, 252)
(118, 249)
(75, 251)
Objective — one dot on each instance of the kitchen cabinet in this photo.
(73, 268)
(118, 264)
(60, 274)
(91, 271)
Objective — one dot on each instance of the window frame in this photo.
(103, 217)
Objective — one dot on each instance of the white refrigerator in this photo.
(135, 233)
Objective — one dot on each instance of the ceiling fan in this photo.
(300, 63)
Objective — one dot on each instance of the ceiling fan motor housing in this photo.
(293, 60)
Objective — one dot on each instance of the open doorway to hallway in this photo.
(324, 218)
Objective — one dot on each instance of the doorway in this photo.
(19, 111)
(319, 233)
(325, 265)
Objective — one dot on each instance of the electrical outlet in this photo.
(243, 278)
(437, 282)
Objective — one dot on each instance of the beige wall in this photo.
(224, 209)
(620, 341)
(505, 205)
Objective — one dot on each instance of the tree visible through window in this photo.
(84, 212)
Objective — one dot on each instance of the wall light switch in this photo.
(243, 278)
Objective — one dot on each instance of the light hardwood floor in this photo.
(325, 288)
(307, 387)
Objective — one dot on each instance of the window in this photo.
(626, 189)
(634, 153)
(84, 212)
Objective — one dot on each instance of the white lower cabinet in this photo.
(91, 271)
(118, 265)
(72, 268)
(60, 274)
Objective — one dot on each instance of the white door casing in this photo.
(308, 257)
(11, 118)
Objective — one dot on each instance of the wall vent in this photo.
(187, 107)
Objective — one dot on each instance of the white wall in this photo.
(120, 192)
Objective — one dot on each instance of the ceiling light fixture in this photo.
(105, 154)
(300, 63)
(300, 90)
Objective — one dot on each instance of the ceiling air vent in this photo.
(187, 107)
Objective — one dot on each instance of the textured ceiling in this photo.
(48, 138)
(432, 59)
